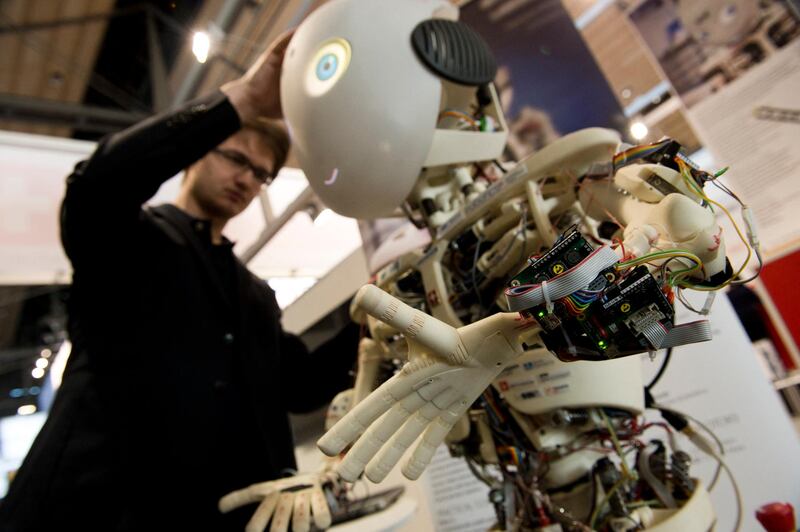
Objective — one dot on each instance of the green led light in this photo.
(602, 344)
(541, 313)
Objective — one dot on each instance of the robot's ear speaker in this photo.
(452, 50)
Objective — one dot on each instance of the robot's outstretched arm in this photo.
(448, 369)
(370, 356)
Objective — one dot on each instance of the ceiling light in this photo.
(201, 45)
(37, 373)
(41, 363)
(639, 130)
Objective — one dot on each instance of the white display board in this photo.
(457, 501)
(32, 182)
(722, 384)
(762, 154)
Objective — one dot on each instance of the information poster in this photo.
(722, 384)
(736, 67)
(458, 502)
(548, 81)
(753, 126)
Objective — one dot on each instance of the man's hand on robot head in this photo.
(448, 369)
(295, 499)
(257, 93)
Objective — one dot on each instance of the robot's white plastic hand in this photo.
(294, 500)
(654, 220)
(448, 369)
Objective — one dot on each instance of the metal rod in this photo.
(85, 117)
(302, 200)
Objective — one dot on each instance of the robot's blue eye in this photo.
(326, 67)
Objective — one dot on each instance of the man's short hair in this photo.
(273, 133)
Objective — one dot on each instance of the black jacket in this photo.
(177, 389)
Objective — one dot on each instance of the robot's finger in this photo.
(400, 412)
(379, 432)
(364, 413)
(388, 456)
(352, 465)
(283, 512)
(319, 508)
(433, 437)
(242, 497)
(258, 522)
(438, 336)
(301, 516)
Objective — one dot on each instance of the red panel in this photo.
(782, 280)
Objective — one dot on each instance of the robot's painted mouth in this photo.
(332, 179)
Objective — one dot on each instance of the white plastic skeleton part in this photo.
(653, 220)
(365, 116)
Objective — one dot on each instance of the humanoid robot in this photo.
(516, 322)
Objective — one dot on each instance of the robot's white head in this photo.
(360, 104)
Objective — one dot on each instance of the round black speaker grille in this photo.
(452, 50)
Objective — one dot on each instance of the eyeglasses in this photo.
(240, 161)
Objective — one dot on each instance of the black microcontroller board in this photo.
(612, 326)
(568, 251)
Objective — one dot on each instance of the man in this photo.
(177, 389)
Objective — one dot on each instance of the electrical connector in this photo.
(750, 227)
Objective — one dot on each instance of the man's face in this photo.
(220, 184)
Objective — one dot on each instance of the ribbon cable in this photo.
(576, 278)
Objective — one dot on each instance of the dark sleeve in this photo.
(105, 193)
(312, 379)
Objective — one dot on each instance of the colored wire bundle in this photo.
(751, 234)
(454, 113)
(512, 452)
(637, 152)
(579, 301)
(687, 177)
(673, 278)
